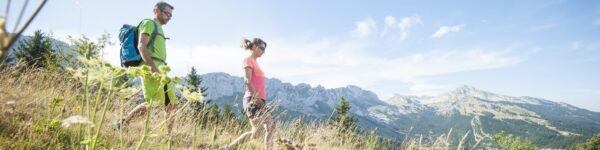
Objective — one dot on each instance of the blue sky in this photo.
(542, 48)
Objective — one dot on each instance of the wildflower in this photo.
(70, 69)
(78, 109)
(99, 77)
(156, 76)
(91, 62)
(165, 80)
(77, 73)
(54, 122)
(192, 97)
(83, 60)
(56, 101)
(127, 92)
(176, 79)
(134, 71)
(165, 69)
(145, 68)
(106, 64)
(118, 72)
(74, 120)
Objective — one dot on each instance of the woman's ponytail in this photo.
(246, 44)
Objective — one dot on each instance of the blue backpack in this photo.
(130, 56)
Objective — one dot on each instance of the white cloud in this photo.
(446, 29)
(391, 24)
(364, 28)
(225, 57)
(422, 88)
(406, 23)
(390, 20)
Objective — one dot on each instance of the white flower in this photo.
(192, 96)
(77, 119)
(127, 92)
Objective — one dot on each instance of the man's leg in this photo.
(170, 107)
(170, 110)
(137, 111)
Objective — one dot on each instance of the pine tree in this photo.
(213, 113)
(194, 82)
(37, 51)
(88, 48)
(343, 119)
(227, 112)
(509, 141)
(592, 143)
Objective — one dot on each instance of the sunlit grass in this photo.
(35, 104)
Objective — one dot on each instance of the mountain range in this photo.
(464, 111)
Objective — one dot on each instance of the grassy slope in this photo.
(42, 98)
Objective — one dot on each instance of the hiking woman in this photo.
(254, 99)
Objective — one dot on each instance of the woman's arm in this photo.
(248, 81)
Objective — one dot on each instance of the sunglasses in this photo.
(167, 14)
(262, 48)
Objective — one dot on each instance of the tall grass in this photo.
(39, 100)
(35, 104)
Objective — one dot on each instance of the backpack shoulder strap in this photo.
(154, 33)
(153, 36)
(152, 39)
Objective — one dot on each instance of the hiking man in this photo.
(153, 53)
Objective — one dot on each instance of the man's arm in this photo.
(142, 47)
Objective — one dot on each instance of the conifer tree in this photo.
(227, 112)
(213, 113)
(343, 119)
(592, 143)
(37, 51)
(194, 82)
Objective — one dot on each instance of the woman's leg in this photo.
(244, 137)
(269, 127)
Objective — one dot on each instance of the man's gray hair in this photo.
(161, 5)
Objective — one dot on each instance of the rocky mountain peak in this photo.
(470, 91)
(467, 90)
(402, 100)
